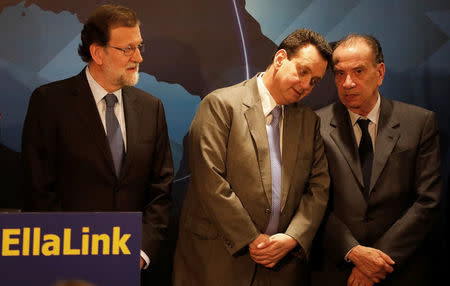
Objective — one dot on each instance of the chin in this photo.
(130, 80)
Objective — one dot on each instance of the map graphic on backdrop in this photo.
(197, 46)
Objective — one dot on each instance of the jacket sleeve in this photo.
(208, 138)
(407, 233)
(156, 212)
(311, 208)
(39, 154)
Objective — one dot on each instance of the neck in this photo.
(268, 80)
(97, 74)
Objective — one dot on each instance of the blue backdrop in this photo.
(199, 45)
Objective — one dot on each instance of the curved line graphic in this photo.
(242, 39)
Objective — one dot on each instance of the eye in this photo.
(359, 71)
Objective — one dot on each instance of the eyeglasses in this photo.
(129, 51)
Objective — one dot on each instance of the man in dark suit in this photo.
(95, 143)
(256, 198)
(385, 168)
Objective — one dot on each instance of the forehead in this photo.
(125, 35)
(310, 56)
(353, 53)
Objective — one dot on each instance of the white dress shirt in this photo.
(268, 104)
(99, 94)
(373, 116)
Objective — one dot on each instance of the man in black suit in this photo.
(95, 143)
(384, 164)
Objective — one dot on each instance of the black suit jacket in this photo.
(405, 191)
(68, 163)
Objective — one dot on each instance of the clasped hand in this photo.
(269, 250)
(371, 263)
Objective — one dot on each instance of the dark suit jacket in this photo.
(11, 198)
(68, 162)
(228, 202)
(405, 191)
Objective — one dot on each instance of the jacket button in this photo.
(267, 211)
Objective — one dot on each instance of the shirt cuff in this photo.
(146, 259)
(346, 256)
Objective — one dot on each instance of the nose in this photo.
(306, 83)
(137, 57)
(348, 82)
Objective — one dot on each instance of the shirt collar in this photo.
(373, 115)
(268, 103)
(98, 91)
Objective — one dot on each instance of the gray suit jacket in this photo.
(405, 189)
(228, 202)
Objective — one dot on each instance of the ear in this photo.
(97, 53)
(279, 57)
(381, 70)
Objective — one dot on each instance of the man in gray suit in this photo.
(259, 184)
(384, 164)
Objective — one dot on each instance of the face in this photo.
(357, 77)
(119, 70)
(294, 78)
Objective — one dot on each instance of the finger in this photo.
(386, 257)
(262, 261)
(350, 280)
(261, 245)
(259, 256)
(269, 265)
(259, 252)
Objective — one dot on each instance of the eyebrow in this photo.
(303, 66)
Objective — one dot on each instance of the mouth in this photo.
(351, 95)
(299, 93)
(133, 69)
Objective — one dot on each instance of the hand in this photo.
(269, 252)
(260, 239)
(142, 263)
(357, 278)
(373, 263)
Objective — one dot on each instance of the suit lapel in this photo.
(88, 113)
(254, 116)
(132, 111)
(344, 138)
(291, 134)
(387, 137)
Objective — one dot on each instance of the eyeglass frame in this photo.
(140, 47)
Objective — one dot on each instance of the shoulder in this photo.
(229, 94)
(57, 88)
(407, 112)
(225, 100)
(142, 96)
(329, 112)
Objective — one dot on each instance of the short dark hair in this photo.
(370, 40)
(303, 37)
(100, 22)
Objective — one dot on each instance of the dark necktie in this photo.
(273, 134)
(365, 154)
(114, 133)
